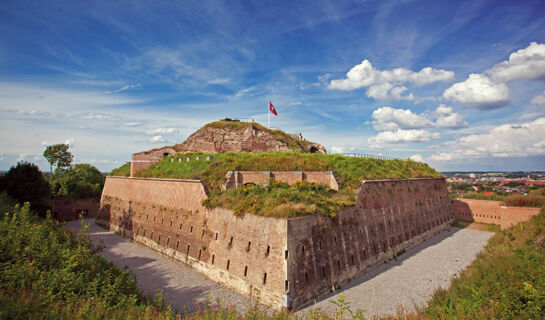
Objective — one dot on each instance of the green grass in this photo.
(350, 172)
(506, 281)
(123, 171)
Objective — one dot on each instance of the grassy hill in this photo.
(279, 199)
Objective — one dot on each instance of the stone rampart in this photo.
(235, 179)
(493, 212)
(245, 253)
(389, 217)
(70, 209)
(282, 262)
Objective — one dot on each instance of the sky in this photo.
(459, 85)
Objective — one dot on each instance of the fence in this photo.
(364, 155)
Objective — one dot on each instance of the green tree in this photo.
(26, 183)
(80, 181)
(58, 155)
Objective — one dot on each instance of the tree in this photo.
(26, 183)
(59, 156)
(80, 181)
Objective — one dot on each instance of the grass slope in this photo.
(286, 201)
(506, 281)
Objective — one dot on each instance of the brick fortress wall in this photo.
(283, 262)
(246, 253)
(70, 209)
(389, 217)
(238, 178)
(493, 212)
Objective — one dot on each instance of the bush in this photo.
(25, 183)
(80, 181)
(531, 200)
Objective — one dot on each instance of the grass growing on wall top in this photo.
(123, 171)
(350, 172)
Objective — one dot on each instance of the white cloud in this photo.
(365, 75)
(509, 140)
(1, 157)
(527, 63)
(386, 91)
(337, 149)
(28, 157)
(162, 131)
(219, 81)
(416, 157)
(157, 138)
(478, 90)
(539, 99)
(488, 90)
(447, 118)
(70, 141)
(400, 135)
(124, 88)
(388, 118)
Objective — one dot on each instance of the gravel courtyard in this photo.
(407, 282)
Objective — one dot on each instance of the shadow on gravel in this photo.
(150, 276)
(385, 266)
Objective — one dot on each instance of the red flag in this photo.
(273, 110)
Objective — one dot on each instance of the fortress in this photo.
(282, 262)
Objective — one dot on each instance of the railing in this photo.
(364, 155)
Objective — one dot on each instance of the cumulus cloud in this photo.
(416, 157)
(365, 75)
(539, 99)
(478, 90)
(388, 118)
(488, 90)
(70, 141)
(527, 63)
(386, 91)
(509, 140)
(401, 135)
(447, 118)
(1, 157)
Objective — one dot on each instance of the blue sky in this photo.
(457, 84)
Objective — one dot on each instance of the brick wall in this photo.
(493, 212)
(70, 209)
(282, 262)
(262, 178)
(142, 160)
(166, 215)
(390, 216)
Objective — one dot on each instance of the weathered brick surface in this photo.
(390, 216)
(262, 178)
(302, 257)
(142, 160)
(493, 212)
(167, 216)
(70, 209)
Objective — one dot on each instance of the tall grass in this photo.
(506, 281)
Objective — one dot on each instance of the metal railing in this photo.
(365, 155)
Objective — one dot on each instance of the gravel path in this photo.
(412, 279)
(407, 282)
(181, 286)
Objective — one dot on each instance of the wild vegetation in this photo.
(286, 201)
(123, 171)
(47, 272)
(80, 181)
(506, 281)
(25, 182)
(533, 199)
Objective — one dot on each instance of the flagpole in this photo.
(268, 117)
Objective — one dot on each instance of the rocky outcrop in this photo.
(233, 136)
